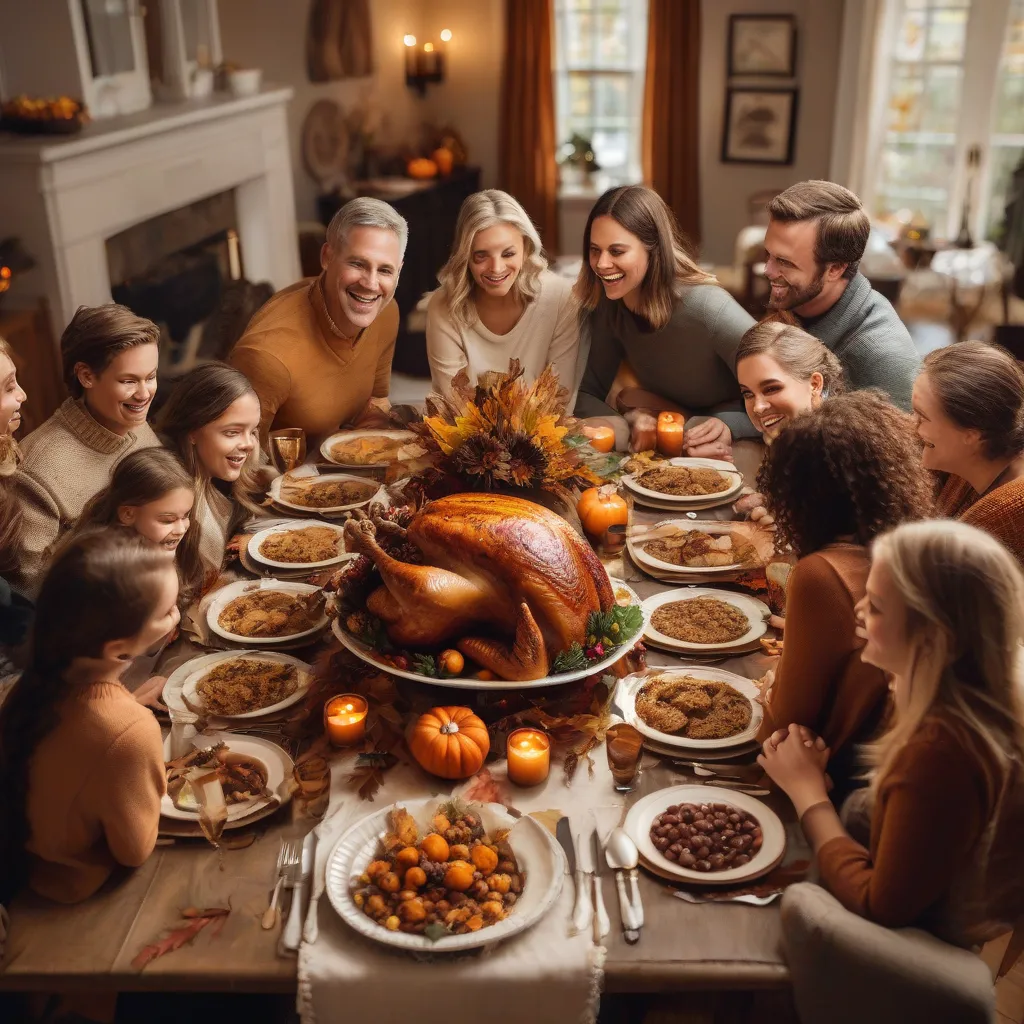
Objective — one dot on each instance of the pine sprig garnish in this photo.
(425, 664)
(571, 659)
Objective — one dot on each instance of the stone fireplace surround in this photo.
(64, 196)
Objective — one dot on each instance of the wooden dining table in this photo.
(91, 946)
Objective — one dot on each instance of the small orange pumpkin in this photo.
(601, 507)
(450, 742)
(602, 439)
(445, 160)
(421, 167)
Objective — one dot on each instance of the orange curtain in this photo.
(671, 114)
(527, 135)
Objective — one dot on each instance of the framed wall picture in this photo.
(760, 126)
(762, 44)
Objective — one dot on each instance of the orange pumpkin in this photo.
(450, 742)
(670, 434)
(602, 439)
(445, 160)
(421, 167)
(601, 507)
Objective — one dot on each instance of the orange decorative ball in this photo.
(601, 507)
(450, 742)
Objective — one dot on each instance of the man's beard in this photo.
(793, 298)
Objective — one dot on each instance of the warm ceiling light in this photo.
(409, 40)
(446, 35)
(428, 47)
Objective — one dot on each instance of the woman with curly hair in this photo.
(498, 300)
(835, 479)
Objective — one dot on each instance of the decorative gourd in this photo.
(450, 742)
(445, 160)
(602, 439)
(601, 507)
(421, 167)
(670, 434)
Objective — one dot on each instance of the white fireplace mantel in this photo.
(64, 196)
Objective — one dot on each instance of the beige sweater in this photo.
(66, 461)
(94, 791)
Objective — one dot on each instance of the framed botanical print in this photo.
(762, 44)
(760, 126)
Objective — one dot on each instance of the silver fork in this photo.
(287, 860)
(754, 901)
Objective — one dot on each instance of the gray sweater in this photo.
(691, 360)
(870, 340)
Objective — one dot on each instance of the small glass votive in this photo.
(529, 756)
(624, 745)
(345, 719)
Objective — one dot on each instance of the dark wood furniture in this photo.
(431, 212)
(28, 333)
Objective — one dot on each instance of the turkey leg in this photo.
(528, 658)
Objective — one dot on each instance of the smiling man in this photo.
(319, 353)
(816, 238)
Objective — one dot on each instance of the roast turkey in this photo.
(501, 567)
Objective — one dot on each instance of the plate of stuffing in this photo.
(700, 547)
(686, 482)
(359, 449)
(302, 544)
(329, 493)
(691, 708)
(266, 612)
(706, 834)
(704, 619)
(247, 685)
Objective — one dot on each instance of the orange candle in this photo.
(670, 434)
(345, 719)
(529, 757)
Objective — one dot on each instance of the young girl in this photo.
(211, 422)
(81, 762)
(944, 613)
(835, 479)
(151, 494)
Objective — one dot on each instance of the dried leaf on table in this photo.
(549, 818)
(368, 774)
(195, 921)
(484, 788)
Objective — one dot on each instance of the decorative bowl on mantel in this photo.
(29, 116)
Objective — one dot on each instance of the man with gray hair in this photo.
(319, 353)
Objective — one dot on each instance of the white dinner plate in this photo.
(643, 812)
(370, 487)
(757, 613)
(299, 524)
(629, 688)
(276, 761)
(689, 501)
(353, 435)
(716, 528)
(537, 853)
(223, 597)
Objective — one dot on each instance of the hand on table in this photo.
(795, 759)
(711, 439)
(643, 430)
(754, 507)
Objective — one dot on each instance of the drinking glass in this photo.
(624, 744)
(288, 448)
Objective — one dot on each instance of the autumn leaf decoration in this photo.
(505, 433)
(193, 922)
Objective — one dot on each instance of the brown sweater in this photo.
(306, 374)
(1000, 512)
(94, 792)
(66, 461)
(928, 817)
(821, 681)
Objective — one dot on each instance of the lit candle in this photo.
(529, 757)
(410, 56)
(429, 59)
(670, 434)
(345, 719)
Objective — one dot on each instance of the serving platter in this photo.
(278, 483)
(257, 539)
(659, 499)
(757, 613)
(538, 854)
(354, 435)
(629, 688)
(638, 538)
(644, 811)
(223, 597)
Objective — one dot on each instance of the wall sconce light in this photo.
(425, 63)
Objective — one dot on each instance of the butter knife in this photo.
(581, 911)
(602, 923)
(293, 929)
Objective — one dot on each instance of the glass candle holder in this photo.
(529, 756)
(345, 719)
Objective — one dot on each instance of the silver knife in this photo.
(581, 903)
(602, 923)
(293, 929)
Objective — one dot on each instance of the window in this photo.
(600, 54)
(951, 77)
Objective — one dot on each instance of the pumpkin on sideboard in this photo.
(450, 742)
(421, 167)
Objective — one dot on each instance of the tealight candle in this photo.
(670, 434)
(345, 719)
(529, 757)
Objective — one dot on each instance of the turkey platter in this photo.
(506, 581)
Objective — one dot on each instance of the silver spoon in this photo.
(621, 853)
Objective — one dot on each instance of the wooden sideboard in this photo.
(431, 212)
(27, 331)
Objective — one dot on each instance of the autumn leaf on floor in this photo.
(194, 922)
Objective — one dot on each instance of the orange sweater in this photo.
(821, 681)
(928, 816)
(95, 786)
(1000, 512)
(305, 373)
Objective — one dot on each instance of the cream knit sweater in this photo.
(66, 461)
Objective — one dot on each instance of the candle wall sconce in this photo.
(424, 62)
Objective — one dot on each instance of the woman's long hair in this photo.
(964, 598)
(200, 397)
(642, 212)
(10, 507)
(102, 588)
(800, 354)
(140, 478)
(481, 211)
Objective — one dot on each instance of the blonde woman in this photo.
(646, 302)
(944, 615)
(498, 300)
(15, 611)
